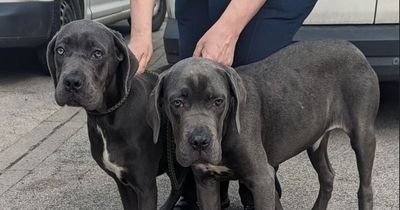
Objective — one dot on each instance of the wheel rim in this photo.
(67, 13)
(156, 7)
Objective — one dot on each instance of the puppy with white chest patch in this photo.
(238, 124)
(92, 68)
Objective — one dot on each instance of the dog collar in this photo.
(122, 101)
(113, 108)
(176, 182)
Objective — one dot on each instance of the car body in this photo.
(31, 23)
(371, 25)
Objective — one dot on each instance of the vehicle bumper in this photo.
(379, 43)
(25, 23)
(171, 41)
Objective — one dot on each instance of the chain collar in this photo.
(176, 182)
(113, 108)
(121, 102)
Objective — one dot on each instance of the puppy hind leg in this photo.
(319, 159)
(363, 143)
(278, 205)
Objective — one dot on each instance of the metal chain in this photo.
(176, 184)
(122, 101)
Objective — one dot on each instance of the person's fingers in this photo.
(198, 51)
(139, 58)
(226, 60)
(143, 63)
(211, 56)
(229, 63)
(142, 66)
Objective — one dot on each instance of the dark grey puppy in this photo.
(259, 116)
(92, 68)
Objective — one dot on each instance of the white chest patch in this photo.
(114, 168)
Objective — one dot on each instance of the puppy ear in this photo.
(128, 62)
(50, 59)
(154, 109)
(238, 92)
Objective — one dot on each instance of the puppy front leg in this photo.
(128, 196)
(207, 189)
(262, 187)
(251, 163)
(147, 197)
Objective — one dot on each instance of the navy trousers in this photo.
(271, 29)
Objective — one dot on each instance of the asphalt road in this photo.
(56, 171)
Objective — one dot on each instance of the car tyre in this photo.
(160, 9)
(66, 11)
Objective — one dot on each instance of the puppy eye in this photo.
(218, 101)
(177, 103)
(97, 54)
(60, 50)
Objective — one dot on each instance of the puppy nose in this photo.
(199, 142)
(72, 82)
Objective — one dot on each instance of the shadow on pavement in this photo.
(19, 61)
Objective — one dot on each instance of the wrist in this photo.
(140, 34)
(238, 14)
(232, 25)
(229, 31)
(141, 18)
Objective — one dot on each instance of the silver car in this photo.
(31, 23)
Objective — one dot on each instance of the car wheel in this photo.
(67, 11)
(159, 11)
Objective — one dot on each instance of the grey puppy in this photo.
(231, 123)
(92, 68)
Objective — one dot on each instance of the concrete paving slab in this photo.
(51, 143)
(26, 100)
(10, 178)
(70, 179)
(33, 138)
(30, 160)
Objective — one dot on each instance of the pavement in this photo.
(45, 160)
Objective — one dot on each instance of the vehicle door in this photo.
(343, 12)
(387, 12)
(125, 4)
(101, 8)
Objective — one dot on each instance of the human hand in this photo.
(142, 47)
(218, 44)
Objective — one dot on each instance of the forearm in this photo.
(141, 17)
(238, 14)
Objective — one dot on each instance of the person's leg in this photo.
(271, 29)
(193, 22)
